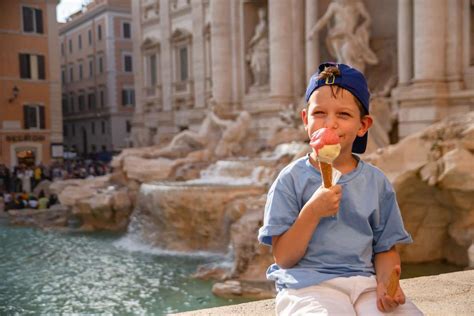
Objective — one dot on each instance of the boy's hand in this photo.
(325, 202)
(386, 303)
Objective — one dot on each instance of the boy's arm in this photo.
(289, 247)
(385, 263)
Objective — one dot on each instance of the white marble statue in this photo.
(347, 39)
(221, 137)
(258, 51)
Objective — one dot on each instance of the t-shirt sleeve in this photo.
(281, 211)
(390, 229)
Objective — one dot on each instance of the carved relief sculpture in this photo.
(258, 52)
(347, 39)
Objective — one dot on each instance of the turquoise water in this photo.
(45, 272)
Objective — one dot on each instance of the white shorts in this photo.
(340, 296)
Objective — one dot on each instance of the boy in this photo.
(334, 249)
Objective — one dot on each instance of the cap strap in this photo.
(330, 79)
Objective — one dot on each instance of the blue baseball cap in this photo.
(350, 79)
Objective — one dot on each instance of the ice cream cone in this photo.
(326, 173)
(392, 283)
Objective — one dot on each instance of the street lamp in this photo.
(15, 92)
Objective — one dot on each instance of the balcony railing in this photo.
(183, 94)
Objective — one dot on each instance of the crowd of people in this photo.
(17, 184)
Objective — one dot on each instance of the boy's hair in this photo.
(334, 71)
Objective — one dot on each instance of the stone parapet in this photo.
(444, 294)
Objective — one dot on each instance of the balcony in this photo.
(152, 95)
(183, 94)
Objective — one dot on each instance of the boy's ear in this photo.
(304, 117)
(365, 123)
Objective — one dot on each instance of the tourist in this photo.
(53, 199)
(32, 202)
(2, 203)
(43, 201)
(335, 247)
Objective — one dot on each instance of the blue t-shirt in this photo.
(368, 222)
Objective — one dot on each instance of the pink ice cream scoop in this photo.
(322, 137)
(326, 144)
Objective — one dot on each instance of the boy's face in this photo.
(339, 113)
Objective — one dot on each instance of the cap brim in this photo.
(360, 144)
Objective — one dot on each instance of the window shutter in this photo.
(27, 19)
(126, 30)
(26, 124)
(41, 117)
(124, 97)
(41, 69)
(39, 21)
(25, 66)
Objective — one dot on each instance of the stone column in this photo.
(221, 51)
(198, 55)
(281, 63)
(166, 60)
(429, 40)
(405, 41)
(312, 47)
(454, 42)
(55, 107)
(299, 70)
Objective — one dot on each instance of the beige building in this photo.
(258, 55)
(30, 91)
(98, 95)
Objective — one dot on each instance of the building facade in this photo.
(98, 96)
(30, 91)
(257, 55)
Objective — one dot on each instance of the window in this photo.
(89, 37)
(101, 98)
(71, 103)
(32, 66)
(73, 131)
(128, 126)
(79, 41)
(32, 20)
(183, 64)
(91, 100)
(80, 71)
(65, 130)
(91, 67)
(471, 60)
(62, 49)
(71, 73)
(127, 63)
(126, 31)
(63, 75)
(33, 116)
(101, 67)
(102, 124)
(80, 101)
(64, 104)
(99, 32)
(128, 97)
(70, 46)
(93, 128)
(152, 70)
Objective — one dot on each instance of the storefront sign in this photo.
(24, 138)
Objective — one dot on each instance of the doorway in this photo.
(26, 157)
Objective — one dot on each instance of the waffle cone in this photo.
(392, 284)
(326, 173)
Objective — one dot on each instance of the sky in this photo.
(66, 7)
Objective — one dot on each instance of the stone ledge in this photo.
(444, 294)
